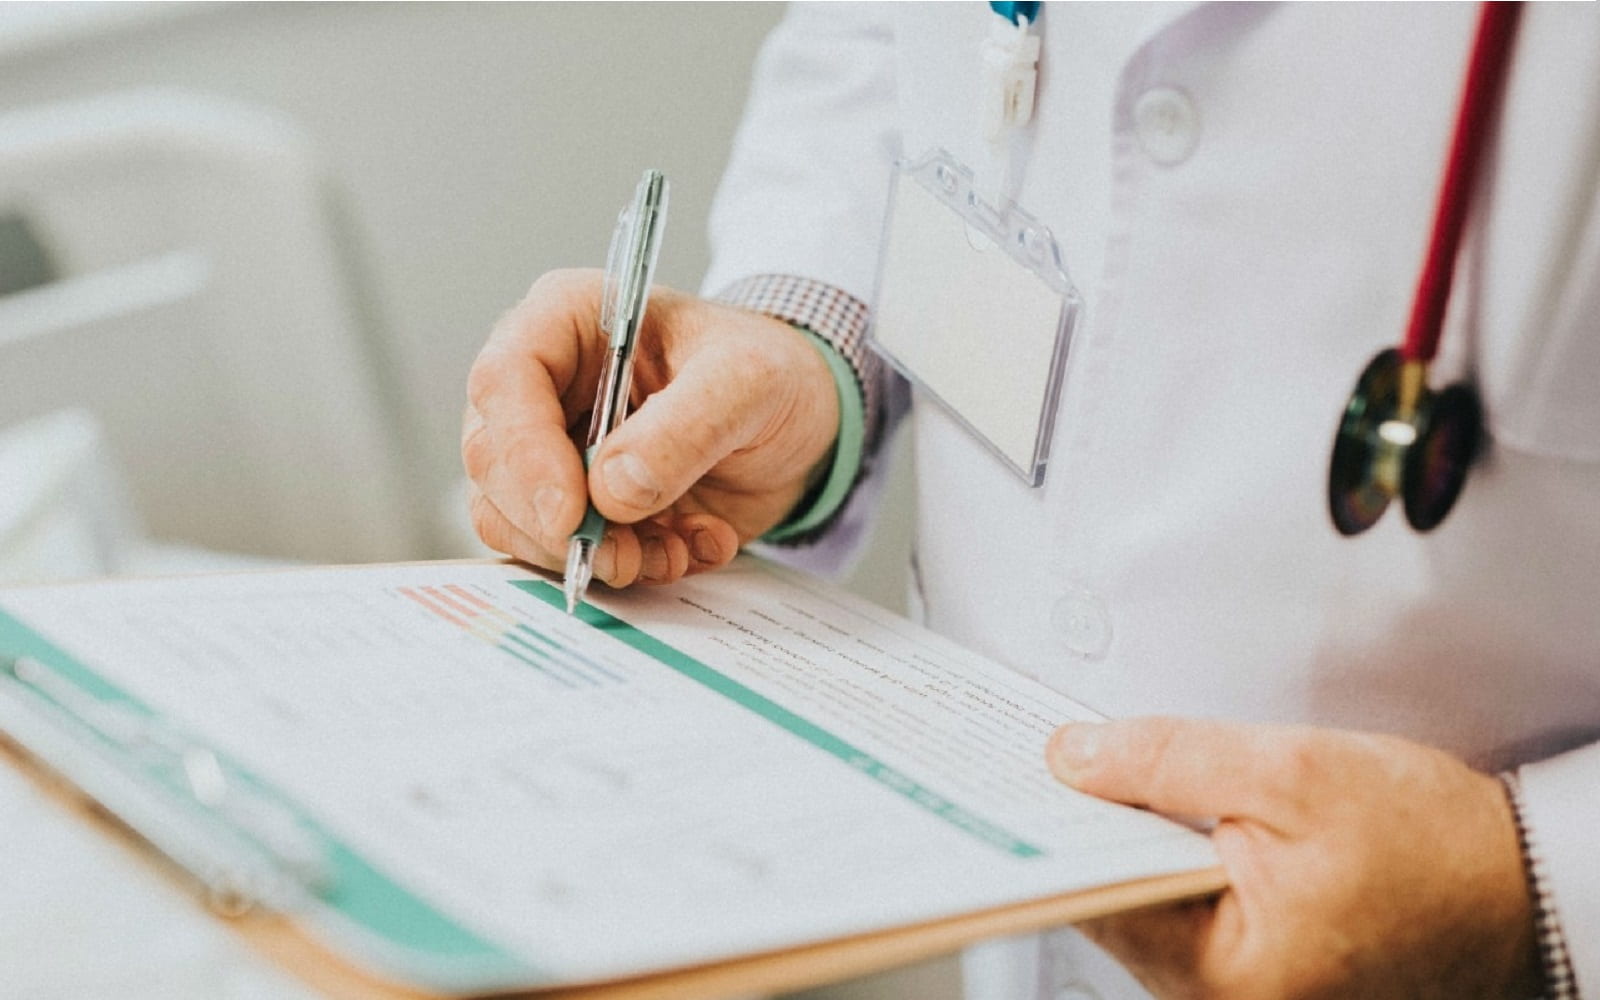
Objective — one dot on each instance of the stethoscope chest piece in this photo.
(1398, 438)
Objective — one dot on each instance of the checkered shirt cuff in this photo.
(836, 316)
(1560, 982)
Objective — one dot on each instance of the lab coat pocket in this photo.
(1544, 396)
(1540, 361)
(1539, 312)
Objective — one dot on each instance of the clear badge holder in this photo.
(975, 307)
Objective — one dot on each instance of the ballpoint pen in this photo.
(630, 265)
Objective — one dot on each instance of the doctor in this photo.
(1397, 731)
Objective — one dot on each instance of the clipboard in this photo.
(295, 894)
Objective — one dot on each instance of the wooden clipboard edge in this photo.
(290, 948)
(859, 955)
(295, 950)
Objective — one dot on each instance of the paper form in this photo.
(742, 761)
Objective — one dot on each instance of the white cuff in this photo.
(1560, 809)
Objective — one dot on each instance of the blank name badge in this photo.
(975, 307)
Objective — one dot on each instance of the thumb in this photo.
(1188, 767)
(706, 412)
(767, 400)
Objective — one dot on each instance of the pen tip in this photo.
(575, 582)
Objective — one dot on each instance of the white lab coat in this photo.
(1243, 195)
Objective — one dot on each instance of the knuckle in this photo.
(1156, 746)
(477, 453)
(565, 290)
(661, 466)
(705, 442)
(486, 378)
(762, 364)
(1299, 764)
(505, 325)
(1403, 764)
(559, 281)
(472, 423)
(491, 527)
(625, 556)
(1295, 775)
(1154, 753)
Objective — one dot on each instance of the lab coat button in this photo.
(1080, 619)
(1075, 991)
(1167, 124)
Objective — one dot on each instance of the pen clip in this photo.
(614, 266)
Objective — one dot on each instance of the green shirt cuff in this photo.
(822, 503)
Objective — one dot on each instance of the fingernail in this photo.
(703, 546)
(1073, 748)
(605, 559)
(653, 562)
(630, 481)
(547, 507)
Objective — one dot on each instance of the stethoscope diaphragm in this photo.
(1400, 439)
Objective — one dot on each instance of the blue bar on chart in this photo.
(475, 612)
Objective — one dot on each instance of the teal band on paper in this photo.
(805, 729)
(419, 943)
(846, 451)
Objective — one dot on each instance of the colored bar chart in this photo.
(474, 611)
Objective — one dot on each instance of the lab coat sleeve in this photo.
(806, 184)
(1561, 812)
(805, 191)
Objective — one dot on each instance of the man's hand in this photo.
(733, 411)
(1361, 867)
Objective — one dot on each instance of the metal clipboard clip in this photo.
(239, 844)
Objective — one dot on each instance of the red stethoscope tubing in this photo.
(1491, 54)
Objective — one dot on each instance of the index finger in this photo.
(526, 390)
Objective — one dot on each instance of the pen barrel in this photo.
(611, 401)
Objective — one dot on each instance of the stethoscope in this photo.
(1398, 437)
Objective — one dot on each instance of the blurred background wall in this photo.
(252, 249)
(461, 150)
(473, 147)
